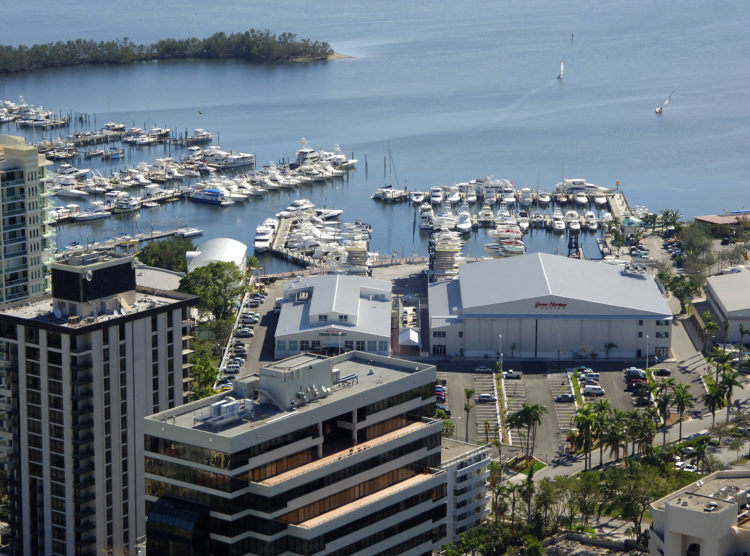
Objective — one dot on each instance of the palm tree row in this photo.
(526, 420)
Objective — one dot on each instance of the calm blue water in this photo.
(459, 90)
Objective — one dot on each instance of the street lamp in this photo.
(647, 351)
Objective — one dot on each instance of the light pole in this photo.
(646, 351)
(500, 351)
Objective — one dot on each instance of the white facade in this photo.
(466, 467)
(333, 314)
(82, 381)
(548, 307)
(730, 301)
(25, 233)
(322, 455)
(706, 518)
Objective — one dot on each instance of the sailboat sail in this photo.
(562, 69)
(666, 101)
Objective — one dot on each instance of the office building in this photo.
(542, 306)
(334, 313)
(80, 370)
(314, 455)
(709, 517)
(26, 243)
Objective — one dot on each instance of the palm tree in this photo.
(646, 433)
(584, 421)
(683, 400)
(729, 380)
(663, 405)
(665, 385)
(616, 434)
(496, 487)
(721, 360)
(714, 399)
(469, 393)
(709, 327)
(601, 424)
(608, 347)
(725, 326)
(528, 417)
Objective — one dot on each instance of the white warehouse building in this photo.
(542, 306)
(334, 313)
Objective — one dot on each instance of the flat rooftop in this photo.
(451, 449)
(370, 370)
(720, 487)
(40, 309)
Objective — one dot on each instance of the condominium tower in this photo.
(80, 370)
(25, 235)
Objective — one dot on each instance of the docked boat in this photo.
(188, 232)
(509, 198)
(328, 214)
(581, 199)
(558, 221)
(127, 205)
(71, 193)
(464, 223)
(573, 220)
(416, 197)
(485, 217)
(426, 218)
(537, 219)
(544, 198)
(600, 200)
(87, 215)
(68, 171)
(210, 196)
(513, 246)
(526, 197)
(574, 186)
(436, 195)
(454, 196)
(592, 224)
(523, 220)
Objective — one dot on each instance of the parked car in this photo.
(510, 373)
(245, 333)
(593, 390)
(239, 360)
(254, 303)
(484, 398)
(725, 240)
(690, 468)
(662, 372)
(590, 375)
(232, 368)
(482, 369)
(589, 381)
(565, 398)
(247, 319)
(444, 408)
(642, 401)
(635, 384)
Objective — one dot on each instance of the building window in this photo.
(292, 345)
(372, 345)
(280, 345)
(640, 334)
(304, 345)
(640, 323)
(315, 345)
(344, 317)
(348, 345)
(460, 334)
(438, 333)
(438, 350)
(322, 317)
(383, 346)
(360, 345)
(662, 334)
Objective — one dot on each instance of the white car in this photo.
(484, 398)
(593, 390)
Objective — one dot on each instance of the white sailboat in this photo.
(660, 109)
(562, 71)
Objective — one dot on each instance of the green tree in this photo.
(601, 423)
(449, 428)
(663, 405)
(616, 434)
(584, 420)
(683, 288)
(529, 417)
(608, 347)
(743, 332)
(709, 328)
(204, 372)
(714, 399)
(167, 253)
(730, 379)
(468, 406)
(683, 401)
(217, 284)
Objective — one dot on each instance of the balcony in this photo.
(14, 212)
(12, 227)
(84, 409)
(79, 350)
(83, 424)
(83, 395)
(367, 500)
(18, 253)
(85, 481)
(85, 438)
(13, 198)
(13, 240)
(16, 282)
(349, 452)
(84, 380)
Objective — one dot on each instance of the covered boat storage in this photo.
(549, 307)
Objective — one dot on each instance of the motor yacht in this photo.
(592, 223)
(453, 195)
(600, 200)
(523, 220)
(436, 195)
(581, 199)
(416, 197)
(544, 198)
(526, 197)
(66, 170)
(464, 223)
(558, 221)
(328, 214)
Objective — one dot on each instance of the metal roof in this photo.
(540, 275)
(221, 249)
(732, 291)
(337, 294)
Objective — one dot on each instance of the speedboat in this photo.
(188, 232)
(426, 218)
(581, 199)
(453, 195)
(464, 222)
(558, 221)
(485, 217)
(591, 222)
(537, 219)
(526, 197)
(600, 200)
(127, 205)
(69, 171)
(523, 220)
(513, 246)
(417, 197)
(573, 220)
(543, 198)
(509, 198)
(328, 214)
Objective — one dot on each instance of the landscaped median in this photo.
(577, 388)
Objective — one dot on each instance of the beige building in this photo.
(707, 518)
(729, 300)
(25, 234)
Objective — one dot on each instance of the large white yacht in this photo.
(436, 195)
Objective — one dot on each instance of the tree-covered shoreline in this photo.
(251, 46)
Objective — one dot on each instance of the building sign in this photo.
(551, 306)
(332, 332)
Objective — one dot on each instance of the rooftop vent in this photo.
(74, 319)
